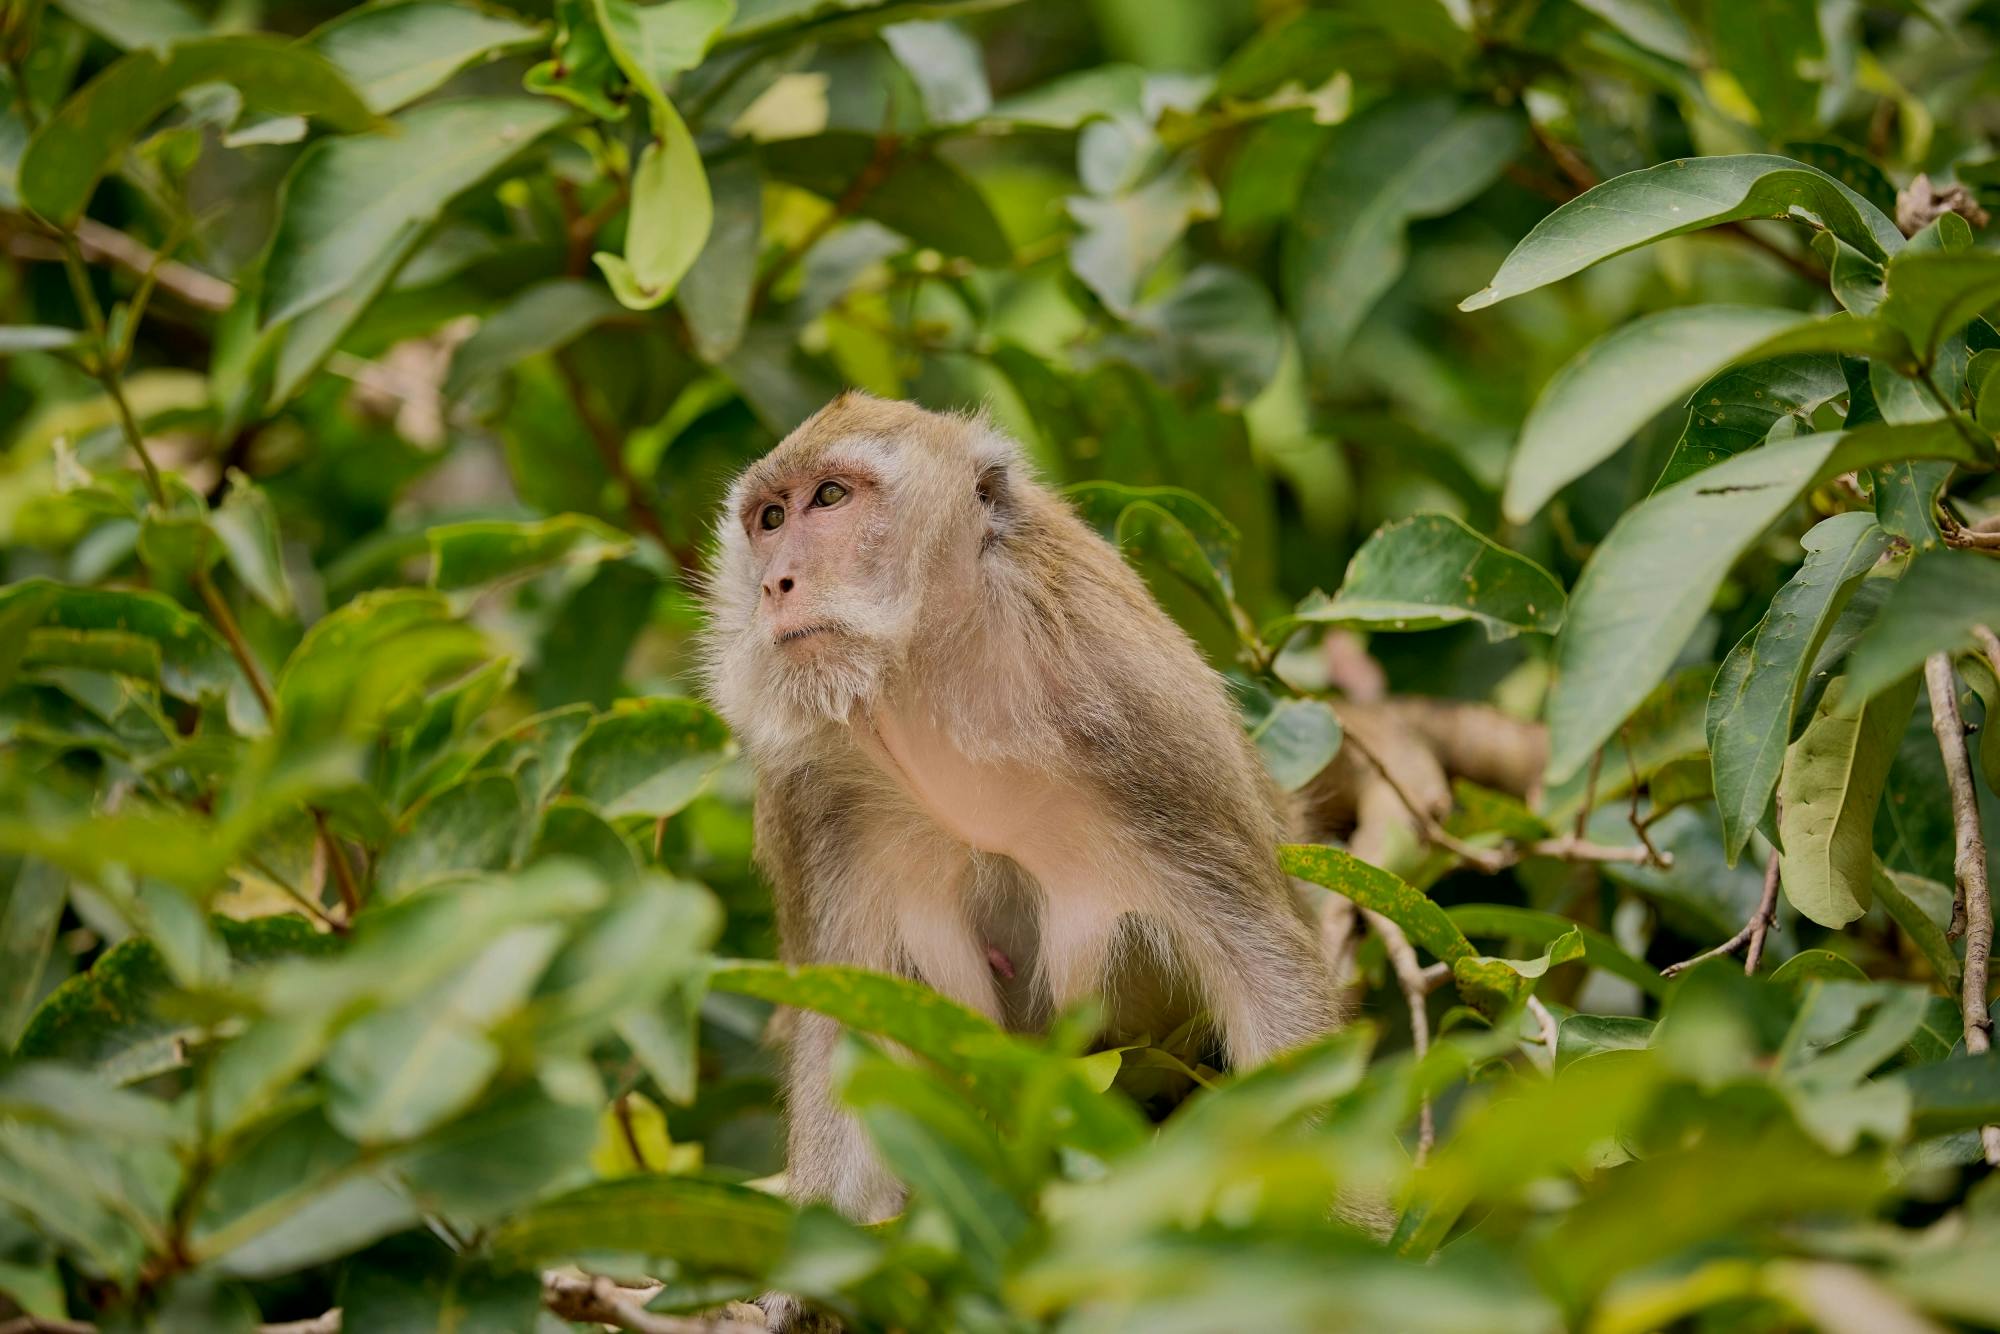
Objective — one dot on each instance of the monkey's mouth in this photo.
(803, 632)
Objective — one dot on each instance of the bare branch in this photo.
(1753, 931)
(108, 245)
(1548, 1024)
(589, 1298)
(1972, 903)
(1411, 978)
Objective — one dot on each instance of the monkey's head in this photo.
(863, 529)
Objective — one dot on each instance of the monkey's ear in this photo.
(995, 488)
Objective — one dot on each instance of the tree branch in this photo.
(1410, 977)
(586, 1298)
(1752, 934)
(611, 449)
(1972, 903)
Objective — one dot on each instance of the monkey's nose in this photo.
(785, 585)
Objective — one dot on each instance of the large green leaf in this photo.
(1832, 782)
(1739, 409)
(706, 1225)
(1774, 51)
(647, 757)
(474, 825)
(1378, 890)
(1758, 686)
(1617, 384)
(1683, 196)
(338, 222)
(1649, 583)
(193, 660)
(28, 916)
(1932, 609)
(538, 318)
(1932, 294)
(68, 154)
(911, 190)
(1432, 570)
(670, 217)
(467, 555)
(654, 42)
(1402, 160)
(395, 53)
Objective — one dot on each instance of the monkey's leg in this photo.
(931, 879)
(827, 1155)
(1260, 969)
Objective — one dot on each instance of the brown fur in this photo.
(1000, 741)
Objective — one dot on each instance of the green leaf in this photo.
(413, 1283)
(468, 555)
(1069, 101)
(653, 43)
(1774, 51)
(1506, 922)
(537, 750)
(1377, 890)
(1649, 583)
(1103, 505)
(395, 53)
(247, 528)
(357, 664)
(1492, 985)
(1216, 334)
(1122, 239)
(1954, 1095)
(1653, 24)
(1145, 529)
(647, 757)
(670, 218)
(1682, 196)
(705, 1225)
(484, 1167)
(1617, 384)
(338, 226)
(126, 24)
(72, 150)
(1932, 609)
(1432, 570)
(1297, 738)
(583, 71)
(474, 825)
(914, 191)
(948, 68)
(1402, 160)
(116, 651)
(193, 661)
(400, 1071)
(49, 1094)
(1922, 908)
(539, 318)
(1832, 782)
(1583, 1035)
(28, 918)
(714, 294)
(1757, 689)
(1932, 294)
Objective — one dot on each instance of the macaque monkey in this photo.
(986, 759)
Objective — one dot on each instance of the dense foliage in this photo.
(378, 927)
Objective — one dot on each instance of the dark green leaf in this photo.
(467, 555)
(706, 1225)
(395, 53)
(539, 318)
(1932, 609)
(68, 154)
(1832, 782)
(1402, 160)
(1738, 409)
(1758, 687)
(1432, 570)
(1619, 383)
(647, 757)
(1683, 196)
(915, 192)
(1378, 891)
(193, 661)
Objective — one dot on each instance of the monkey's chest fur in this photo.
(1030, 864)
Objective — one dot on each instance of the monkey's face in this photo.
(837, 550)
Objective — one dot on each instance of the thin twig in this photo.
(108, 245)
(1752, 934)
(1410, 977)
(1565, 847)
(1972, 902)
(585, 1298)
(611, 449)
(1653, 854)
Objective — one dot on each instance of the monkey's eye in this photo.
(829, 493)
(771, 516)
